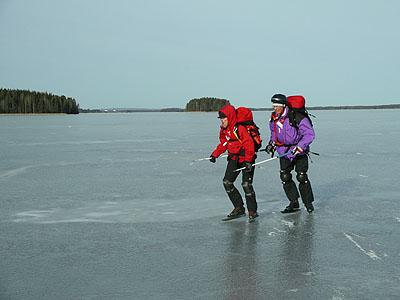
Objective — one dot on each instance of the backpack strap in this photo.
(236, 132)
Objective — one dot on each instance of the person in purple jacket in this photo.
(293, 135)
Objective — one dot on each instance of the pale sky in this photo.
(162, 53)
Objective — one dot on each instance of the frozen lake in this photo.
(110, 206)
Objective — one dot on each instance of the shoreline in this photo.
(30, 114)
(106, 111)
(167, 110)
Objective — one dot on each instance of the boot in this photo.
(252, 216)
(291, 208)
(310, 208)
(237, 212)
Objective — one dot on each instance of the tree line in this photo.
(206, 104)
(25, 102)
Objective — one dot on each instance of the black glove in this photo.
(248, 166)
(212, 159)
(270, 149)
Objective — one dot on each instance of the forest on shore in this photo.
(31, 102)
(206, 104)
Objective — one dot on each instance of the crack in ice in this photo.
(370, 253)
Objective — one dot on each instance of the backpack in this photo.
(297, 110)
(244, 117)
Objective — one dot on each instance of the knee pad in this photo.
(228, 185)
(302, 177)
(286, 177)
(248, 188)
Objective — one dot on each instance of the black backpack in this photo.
(297, 110)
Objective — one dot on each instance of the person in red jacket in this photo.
(240, 146)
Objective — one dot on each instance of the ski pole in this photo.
(208, 158)
(264, 161)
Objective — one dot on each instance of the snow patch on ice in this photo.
(34, 213)
(374, 134)
(278, 230)
(131, 211)
(364, 176)
(398, 219)
(15, 172)
(339, 295)
(78, 220)
(308, 273)
(103, 214)
(288, 223)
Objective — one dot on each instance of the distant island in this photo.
(30, 102)
(206, 104)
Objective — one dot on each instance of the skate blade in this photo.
(232, 218)
(251, 220)
(285, 211)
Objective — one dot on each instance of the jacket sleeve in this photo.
(271, 128)
(247, 144)
(222, 146)
(307, 134)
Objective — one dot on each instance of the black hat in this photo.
(279, 98)
(221, 115)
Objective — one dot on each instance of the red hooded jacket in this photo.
(242, 149)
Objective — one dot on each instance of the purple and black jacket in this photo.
(286, 137)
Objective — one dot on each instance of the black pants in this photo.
(247, 184)
(300, 165)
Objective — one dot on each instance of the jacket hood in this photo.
(230, 112)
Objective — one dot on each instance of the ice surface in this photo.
(114, 206)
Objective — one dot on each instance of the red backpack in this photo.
(297, 110)
(244, 117)
(296, 102)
